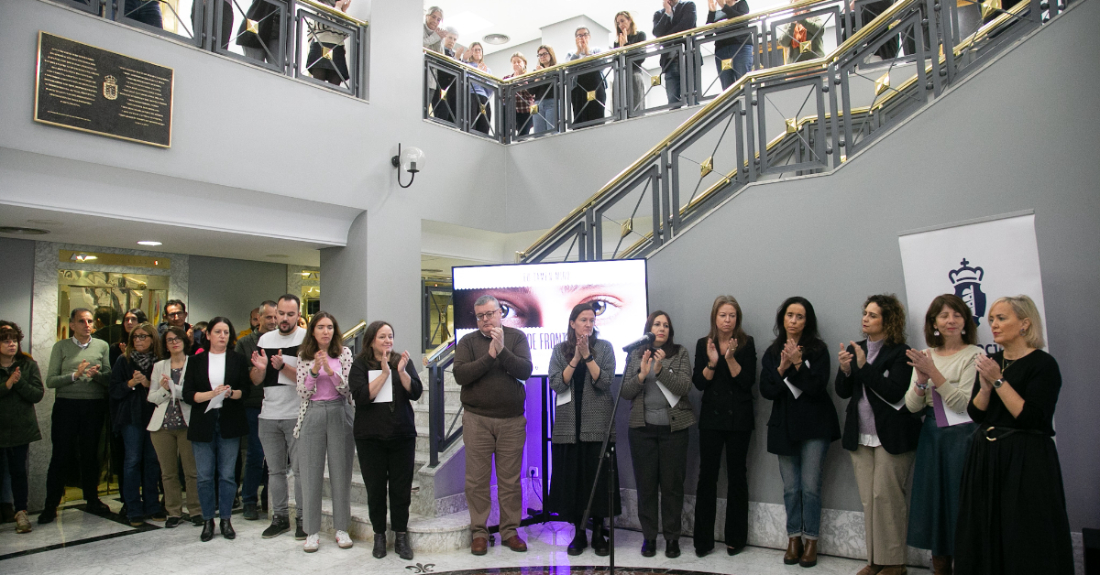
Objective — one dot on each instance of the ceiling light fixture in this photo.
(496, 39)
(22, 231)
(149, 243)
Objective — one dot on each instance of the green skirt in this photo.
(937, 477)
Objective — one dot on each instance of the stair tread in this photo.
(457, 521)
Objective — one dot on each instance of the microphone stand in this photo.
(607, 453)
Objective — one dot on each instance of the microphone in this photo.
(644, 340)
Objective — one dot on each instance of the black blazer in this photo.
(232, 418)
(128, 404)
(683, 19)
(888, 376)
(812, 415)
(727, 400)
(383, 420)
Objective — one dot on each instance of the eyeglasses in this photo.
(486, 316)
(140, 337)
(173, 340)
(585, 35)
(177, 314)
(544, 54)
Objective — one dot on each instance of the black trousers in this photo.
(77, 424)
(382, 462)
(660, 464)
(736, 445)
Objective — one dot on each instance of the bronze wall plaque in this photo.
(93, 90)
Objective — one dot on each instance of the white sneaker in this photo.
(312, 543)
(343, 540)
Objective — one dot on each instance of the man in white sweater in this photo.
(274, 366)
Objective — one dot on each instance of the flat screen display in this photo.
(537, 299)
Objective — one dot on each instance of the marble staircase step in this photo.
(426, 534)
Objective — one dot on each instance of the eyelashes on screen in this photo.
(605, 307)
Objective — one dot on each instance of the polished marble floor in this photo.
(80, 543)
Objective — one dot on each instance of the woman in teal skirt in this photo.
(943, 377)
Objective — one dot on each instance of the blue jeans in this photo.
(802, 488)
(222, 453)
(672, 83)
(144, 11)
(254, 462)
(546, 119)
(141, 468)
(741, 54)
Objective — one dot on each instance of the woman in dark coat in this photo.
(1012, 505)
(581, 370)
(20, 388)
(879, 431)
(129, 390)
(794, 374)
(725, 370)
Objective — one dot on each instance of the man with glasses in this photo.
(674, 16)
(175, 313)
(587, 108)
(491, 365)
(275, 366)
(444, 97)
(80, 373)
(254, 475)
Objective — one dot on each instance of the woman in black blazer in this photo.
(725, 371)
(794, 374)
(221, 377)
(878, 430)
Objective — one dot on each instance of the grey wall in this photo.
(833, 238)
(231, 288)
(17, 284)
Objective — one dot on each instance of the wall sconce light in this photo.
(411, 160)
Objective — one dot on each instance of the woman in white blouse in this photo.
(943, 377)
(168, 429)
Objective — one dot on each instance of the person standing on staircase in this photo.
(491, 365)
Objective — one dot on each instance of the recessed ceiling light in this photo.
(148, 243)
(496, 39)
(22, 231)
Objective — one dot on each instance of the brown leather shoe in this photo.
(794, 550)
(894, 570)
(941, 565)
(515, 544)
(479, 546)
(870, 569)
(809, 556)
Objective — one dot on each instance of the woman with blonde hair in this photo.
(1012, 505)
(524, 99)
(481, 114)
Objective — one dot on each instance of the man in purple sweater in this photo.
(491, 365)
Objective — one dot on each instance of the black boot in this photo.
(599, 539)
(379, 545)
(401, 546)
(580, 541)
(207, 530)
(227, 529)
(299, 533)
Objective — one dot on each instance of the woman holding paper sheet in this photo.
(794, 374)
(879, 431)
(657, 380)
(581, 370)
(215, 383)
(725, 371)
(384, 384)
(324, 427)
(943, 376)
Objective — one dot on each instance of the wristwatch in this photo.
(997, 384)
(712, 367)
(589, 358)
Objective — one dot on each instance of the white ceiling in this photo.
(521, 20)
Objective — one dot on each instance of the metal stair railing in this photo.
(441, 434)
(796, 119)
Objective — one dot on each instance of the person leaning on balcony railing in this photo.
(433, 31)
(674, 16)
(802, 40)
(737, 50)
(481, 114)
(627, 33)
(585, 109)
(440, 83)
(524, 99)
(261, 45)
(333, 70)
(546, 118)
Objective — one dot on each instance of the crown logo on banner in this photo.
(968, 286)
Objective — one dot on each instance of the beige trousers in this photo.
(168, 444)
(881, 478)
(485, 437)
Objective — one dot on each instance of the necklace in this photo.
(1006, 363)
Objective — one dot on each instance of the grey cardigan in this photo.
(675, 375)
(596, 411)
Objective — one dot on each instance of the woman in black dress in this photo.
(581, 370)
(1012, 506)
(725, 370)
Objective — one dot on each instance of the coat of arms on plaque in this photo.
(110, 88)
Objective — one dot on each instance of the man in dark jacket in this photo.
(674, 16)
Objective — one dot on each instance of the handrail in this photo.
(838, 59)
(334, 12)
(359, 328)
(729, 93)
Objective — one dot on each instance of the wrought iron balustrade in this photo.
(304, 39)
(800, 118)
